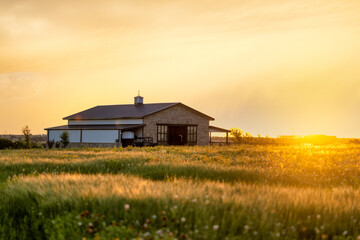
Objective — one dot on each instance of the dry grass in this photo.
(237, 192)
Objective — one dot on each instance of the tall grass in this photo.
(237, 192)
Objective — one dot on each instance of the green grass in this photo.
(237, 192)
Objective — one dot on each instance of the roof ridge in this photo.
(131, 104)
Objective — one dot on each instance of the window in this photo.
(191, 135)
(162, 134)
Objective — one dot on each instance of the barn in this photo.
(136, 124)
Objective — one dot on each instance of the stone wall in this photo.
(177, 115)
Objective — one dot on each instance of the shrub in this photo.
(6, 143)
(36, 145)
(57, 144)
(51, 144)
(65, 138)
(19, 145)
(237, 134)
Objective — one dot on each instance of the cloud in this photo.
(19, 85)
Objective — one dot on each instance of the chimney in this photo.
(138, 100)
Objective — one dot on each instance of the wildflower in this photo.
(153, 216)
(176, 196)
(79, 223)
(183, 219)
(126, 207)
(358, 237)
(194, 200)
(345, 233)
(159, 232)
(318, 216)
(323, 236)
(147, 234)
(175, 207)
(255, 233)
(277, 234)
(40, 213)
(216, 227)
(246, 227)
(206, 227)
(85, 213)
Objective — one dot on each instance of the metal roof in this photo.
(97, 127)
(126, 111)
(217, 129)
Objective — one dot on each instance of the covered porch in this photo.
(213, 129)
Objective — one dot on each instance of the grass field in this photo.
(227, 192)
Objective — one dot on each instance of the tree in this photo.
(65, 138)
(27, 133)
(248, 135)
(237, 134)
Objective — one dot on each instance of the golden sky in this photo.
(270, 67)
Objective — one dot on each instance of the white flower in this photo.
(79, 223)
(147, 234)
(318, 216)
(345, 233)
(154, 216)
(246, 227)
(194, 200)
(175, 207)
(255, 233)
(126, 207)
(216, 227)
(183, 219)
(158, 232)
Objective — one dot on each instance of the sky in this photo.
(275, 67)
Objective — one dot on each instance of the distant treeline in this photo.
(25, 141)
(39, 138)
(283, 141)
(8, 144)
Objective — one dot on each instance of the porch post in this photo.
(227, 138)
(119, 138)
(210, 138)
